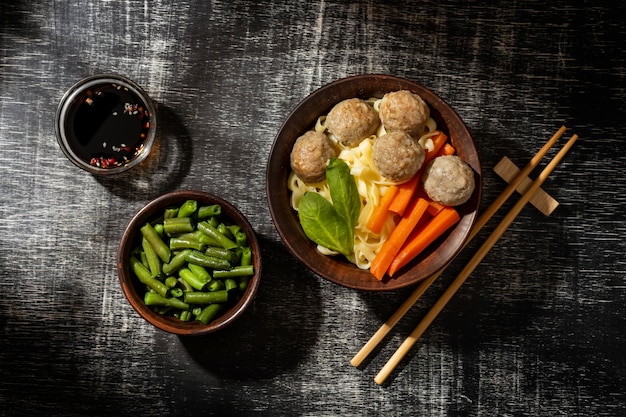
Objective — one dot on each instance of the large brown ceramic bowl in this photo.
(336, 269)
(134, 290)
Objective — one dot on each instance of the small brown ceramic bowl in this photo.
(134, 290)
(335, 268)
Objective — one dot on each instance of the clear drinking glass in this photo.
(106, 124)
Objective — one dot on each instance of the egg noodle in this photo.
(370, 185)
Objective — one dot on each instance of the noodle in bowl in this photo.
(371, 186)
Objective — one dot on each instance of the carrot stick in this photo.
(439, 140)
(379, 215)
(400, 233)
(446, 149)
(434, 207)
(405, 193)
(407, 189)
(420, 239)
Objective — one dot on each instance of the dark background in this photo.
(538, 329)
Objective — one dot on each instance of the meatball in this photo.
(448, 180)
(352, 120)
(397, 156)
(310, 155)
(404, 110)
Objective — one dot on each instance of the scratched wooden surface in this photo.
(538, 330)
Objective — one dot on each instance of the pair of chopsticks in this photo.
(404, 348)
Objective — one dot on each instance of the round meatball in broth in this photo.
(404, 111)
(397, 156)
(351, 121)
(310, 155)
(448, 180)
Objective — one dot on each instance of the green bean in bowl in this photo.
(189, 263)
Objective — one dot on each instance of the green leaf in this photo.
(323, 225)
(332, 224)
(343, 191)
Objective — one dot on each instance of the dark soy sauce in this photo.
(107, 125)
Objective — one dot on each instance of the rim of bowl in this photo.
(129, 282)
(79, 87)
(301, 118)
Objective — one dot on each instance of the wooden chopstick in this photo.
(484, 218)
(471, 265)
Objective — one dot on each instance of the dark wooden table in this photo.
(538, 329)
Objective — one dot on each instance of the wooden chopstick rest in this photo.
(544, 202)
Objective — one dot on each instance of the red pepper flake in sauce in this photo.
(98, 135)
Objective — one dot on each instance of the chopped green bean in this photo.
(187, 242)
(153, 260)
(188, 208)
(176, 292)
(219, 253)
(192, 279)
(158, 228)
(144, 259)
(243, 283)
(237, 271)
(177, 262)
(170, 212)
(171, 282)
(209, 211)
(230, 284)
(154, 299)
(200, 272)
(216, 285)
(241, 239)
(246, 256)
(209, 312)
(146, 278)
(157, 243)
(212, 232)
(223, 229)
(208, 240)
(199, 258)
(197, 235)
(185, 315)
(199, 297)
(178, 225)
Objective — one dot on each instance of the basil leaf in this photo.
(323, 225)
(343, 191)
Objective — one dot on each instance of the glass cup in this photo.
(106, 124)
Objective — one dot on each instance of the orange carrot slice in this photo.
(400, 233)
(439, 140)
(446, 149)
(422, 238)
(434, 207)
(405, 193)
(379, 215)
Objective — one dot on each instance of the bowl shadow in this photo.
(275, 333)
